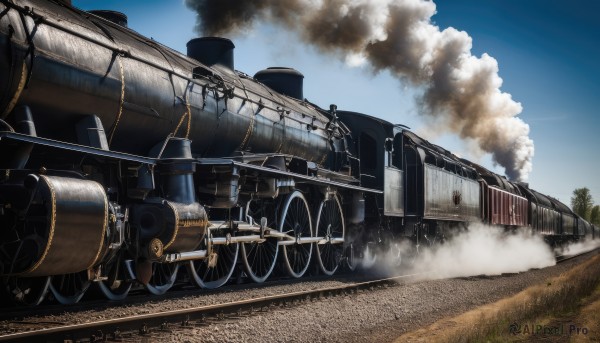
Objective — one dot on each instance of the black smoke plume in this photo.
(461, 92)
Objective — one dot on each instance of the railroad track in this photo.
(180, 290)
(563, 258)
(138, 326)
(144, 324)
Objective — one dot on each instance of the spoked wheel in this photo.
(205, 276)
(259, 258)
(163, 277)
(330, 225)
(116, 286)
(69, 288)
(295, 221)
(26, 291)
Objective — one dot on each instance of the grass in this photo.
(589, 317)
(541, 312)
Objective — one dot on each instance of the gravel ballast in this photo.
(378, 316)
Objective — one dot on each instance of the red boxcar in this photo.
(502, 202)
(503, 207)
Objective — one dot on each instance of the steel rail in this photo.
(563, 258)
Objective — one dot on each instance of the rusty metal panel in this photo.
(521, 213)
(393, 191)
(506, 208)
(449, 196)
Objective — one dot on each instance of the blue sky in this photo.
(547, 51)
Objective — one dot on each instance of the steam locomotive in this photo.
(123, 161)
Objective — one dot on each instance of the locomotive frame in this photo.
(123, 161)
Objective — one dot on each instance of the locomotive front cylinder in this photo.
(64, 227)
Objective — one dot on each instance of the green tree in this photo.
(582, 202)
(595, 216)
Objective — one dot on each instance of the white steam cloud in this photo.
(461, 92)
(485, 250)
(579, 247)
(480, 250)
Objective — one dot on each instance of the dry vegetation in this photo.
(551, 311)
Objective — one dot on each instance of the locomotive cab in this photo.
(378, 144)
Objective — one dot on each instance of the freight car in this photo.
(503, 203)
(428, 192)
(123, 161)
(551, 218)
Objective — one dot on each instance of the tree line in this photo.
(582, 203)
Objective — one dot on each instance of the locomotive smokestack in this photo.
(286, 81)
(212, 51)
(461, 92)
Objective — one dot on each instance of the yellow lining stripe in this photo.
(248, 133)
(17, 95)
(104, 224)
(187, 114)
(121, 101)
(324, 158)
(52, 225)
(176, 226)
